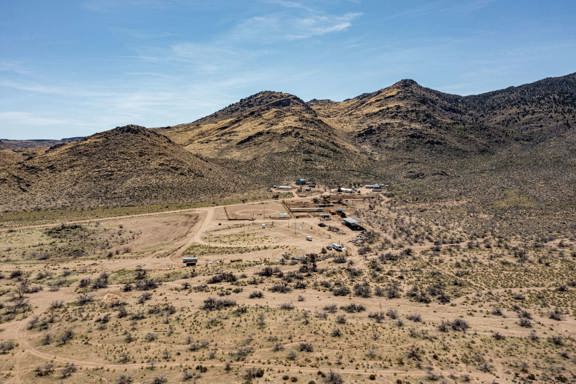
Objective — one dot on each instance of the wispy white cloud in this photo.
(291, 4)
(246, 42)
(28, 86)
(22, 124)
(49, 88)
(274, 27)
(22, 118)
(13, 67)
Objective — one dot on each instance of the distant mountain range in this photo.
(402, 132)
(19, 144)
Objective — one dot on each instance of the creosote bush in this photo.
(211, 304)
(455, 325)
(353, 308)
(253, 373)
(6, 346)
(333, 378)
(256, 295)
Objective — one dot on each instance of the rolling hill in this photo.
(272, 135)
(409, 117)
(128, 165)
(403, 117)
(531, 113)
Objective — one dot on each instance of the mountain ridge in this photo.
(401, 132)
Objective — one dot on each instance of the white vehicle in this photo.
(336, 246)
(309, 238)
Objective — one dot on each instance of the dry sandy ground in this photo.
(295, 329)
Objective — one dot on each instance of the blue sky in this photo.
(75, 67)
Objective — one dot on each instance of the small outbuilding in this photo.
(190, 261)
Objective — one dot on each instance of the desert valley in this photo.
(401, 236)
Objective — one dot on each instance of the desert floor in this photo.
(412, 299)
